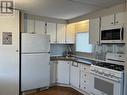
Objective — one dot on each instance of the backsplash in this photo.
(59, 49)
(99, 51)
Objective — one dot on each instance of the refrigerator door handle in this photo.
(17, 50)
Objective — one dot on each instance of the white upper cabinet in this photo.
(29, 26)
(61, 32)
(120, 18)
(51, 30)
(111, 20)
(39, 27)
(94, 31)
(82, 26)
(107, 21)
(70, 34)
(34, 26)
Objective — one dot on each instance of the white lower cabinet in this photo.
(53, 72)
(63, 75)
(71, 73)
(74, 74)
(85, 77)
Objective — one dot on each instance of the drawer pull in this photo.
(84, 87)
(84, 81)
(117, 21)
(84, 74)
(84, 68)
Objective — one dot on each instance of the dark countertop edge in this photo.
(75, 59)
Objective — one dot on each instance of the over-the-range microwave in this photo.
(113, 34)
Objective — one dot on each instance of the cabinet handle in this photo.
(84, 74)
(84, 81)
(111, 22)
(84, 87)
(84, 68)
(117, 21)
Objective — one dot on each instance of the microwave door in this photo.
(106, 35)
(112, 36)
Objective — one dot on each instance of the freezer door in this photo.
(35, 43)
(35, 71)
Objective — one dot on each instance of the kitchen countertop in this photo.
(76, 59)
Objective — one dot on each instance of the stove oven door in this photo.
(104, 86)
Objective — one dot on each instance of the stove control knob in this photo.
(111, 75)
(93, 70)
(96, 71)
(107, 75)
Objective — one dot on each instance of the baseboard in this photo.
(34, 90)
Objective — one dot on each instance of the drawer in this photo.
(84, 81)
(85, 68)
(85, 75)
(85, 88)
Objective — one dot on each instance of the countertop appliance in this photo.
(35, 57)
(107, 78)
(113, 34)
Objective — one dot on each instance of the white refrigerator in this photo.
(35, 57)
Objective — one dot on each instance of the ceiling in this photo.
(63, 9)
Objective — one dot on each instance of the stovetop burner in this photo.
(110, 66)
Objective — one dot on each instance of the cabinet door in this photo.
(29, 26)
(107, 21)
(82, 26)
(63, 72)
(39, 27)
(51, 30)
(61, 30)
(74, 74)
(70, 34)
(94, 31)
(120, 18)
(53, 72)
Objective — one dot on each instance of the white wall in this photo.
(9, 58)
